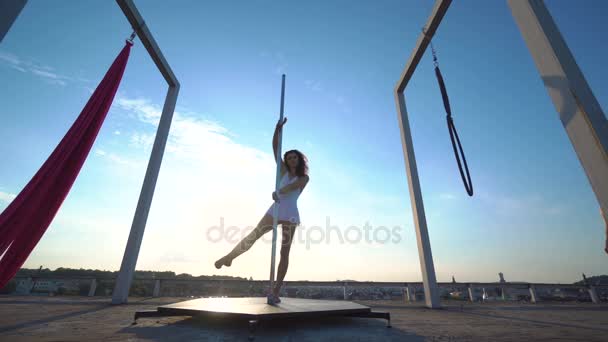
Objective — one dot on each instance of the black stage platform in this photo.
(256, 310)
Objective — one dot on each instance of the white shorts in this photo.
(287, 212)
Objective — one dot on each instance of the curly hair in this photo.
(302, 168)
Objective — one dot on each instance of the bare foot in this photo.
(273, 299)
(224, 261)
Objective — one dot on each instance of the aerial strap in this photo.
(468, 185)
(27, 217)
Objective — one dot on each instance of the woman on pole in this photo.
(293, 179)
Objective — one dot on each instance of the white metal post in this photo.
(579, 110)
(275, 219)
(471, 294)
(129, 261)
(411, 293)
(93, 287)
(431, 293)
(156, 291)
(533, 295)
(593, 294)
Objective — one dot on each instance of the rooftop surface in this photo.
(27, 318)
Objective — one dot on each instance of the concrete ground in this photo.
(31, 318)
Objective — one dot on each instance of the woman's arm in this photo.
(300, 183)
(275, 143)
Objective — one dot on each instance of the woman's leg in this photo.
(263, 227)
(288, 230)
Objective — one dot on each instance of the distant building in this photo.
(45, 286)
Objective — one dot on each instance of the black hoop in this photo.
(468, 185)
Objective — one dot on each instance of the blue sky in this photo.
(533, 217)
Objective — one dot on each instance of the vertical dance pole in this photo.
(275, 210)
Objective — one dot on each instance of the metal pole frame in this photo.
(129, 261)
(579, 110)
(431, 293)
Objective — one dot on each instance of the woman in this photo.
(294, 177)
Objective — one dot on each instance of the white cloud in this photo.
(7, 197)
(206, 174)
(12, 61)
(120, 160)
(143, 108)
(28, 66)
(142, 140)
(9, 58)
(193, 138)
(201, 154)
(50, 76)
(447, 196)
(313, 85)
(524, 205)
(113, 157)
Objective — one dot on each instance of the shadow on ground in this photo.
(333, 329)
(54, 318)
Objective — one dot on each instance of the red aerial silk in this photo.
(27, 217)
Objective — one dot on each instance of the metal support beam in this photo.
(93, 287)
(129, 261)
(439, 10)
(533, 295)
(593, 294)
(411, 293)
(579, 111)
(431, 293)
(156, 291)
(146, 38)
(9, 11)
